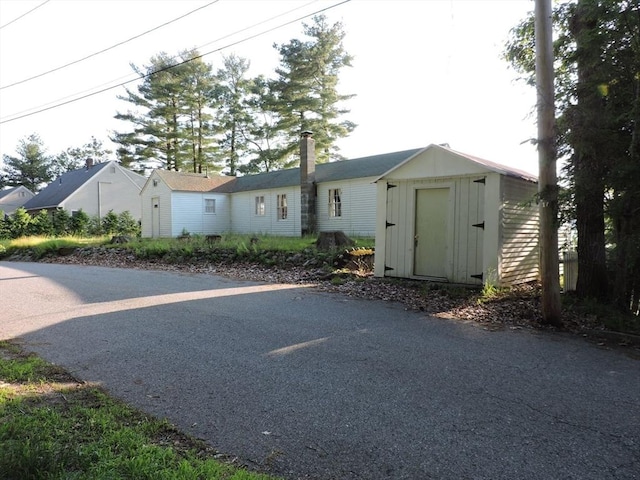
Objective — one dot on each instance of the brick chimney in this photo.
(307, 183)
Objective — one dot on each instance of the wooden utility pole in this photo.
(548, 179)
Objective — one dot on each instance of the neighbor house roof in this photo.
(62, 187)
(7, 191)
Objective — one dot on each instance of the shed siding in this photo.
(468, 243)
(519, 254)
(358, 207)
(465, 241)
(244, 218)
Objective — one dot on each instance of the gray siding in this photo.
(519, 256)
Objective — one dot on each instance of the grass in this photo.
(52, 426)
(40, 246)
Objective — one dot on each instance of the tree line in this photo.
(597, 96)
(188, 117)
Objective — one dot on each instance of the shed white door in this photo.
(155, 217)
(431, 232)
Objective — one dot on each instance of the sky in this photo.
(423, 71)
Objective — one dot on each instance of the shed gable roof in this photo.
(491, 166)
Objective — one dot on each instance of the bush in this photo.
(42, 224)
(79, 223)
(110, 223)
(61, 223)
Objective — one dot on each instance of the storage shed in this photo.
(450, 217)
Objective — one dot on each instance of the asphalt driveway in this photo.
(311, 385)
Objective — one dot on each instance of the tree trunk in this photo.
(548, 181)
(588, 161)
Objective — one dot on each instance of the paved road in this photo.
(311, 385)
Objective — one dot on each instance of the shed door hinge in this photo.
(479, 225)
(478, 276)
(391, 186)
(389, 224)
(386, 268)
(482, 180)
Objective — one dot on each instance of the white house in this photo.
(337, 196)
(13, 198)
(436, 214)
(448, 216)
(95, 189)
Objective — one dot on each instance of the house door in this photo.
(155, 217)
(431, 232)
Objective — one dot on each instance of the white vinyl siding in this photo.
(358, 207)
(163, 194)
(519, 254)
(110, 189)
(187, 211)
(244, 219)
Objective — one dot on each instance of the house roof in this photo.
(68, 183)
(371, 166)
(62, 187)
(192, 182)
(375, 166)
(7, 191)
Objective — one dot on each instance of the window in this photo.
(209, 205)
(155, 182)
(282, 206)
(335, 202)
(112, 169)
(260, 209)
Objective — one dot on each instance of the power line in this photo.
(24, 14)
(155, 72)
(106, 49)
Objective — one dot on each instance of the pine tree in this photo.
(234, 116)
(304, 93)
(174, 127)
(31, 168)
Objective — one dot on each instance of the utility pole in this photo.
(547, 178)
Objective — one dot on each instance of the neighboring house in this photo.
(337, 196)
(448, 216)
(95, 189)
(13, 198)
